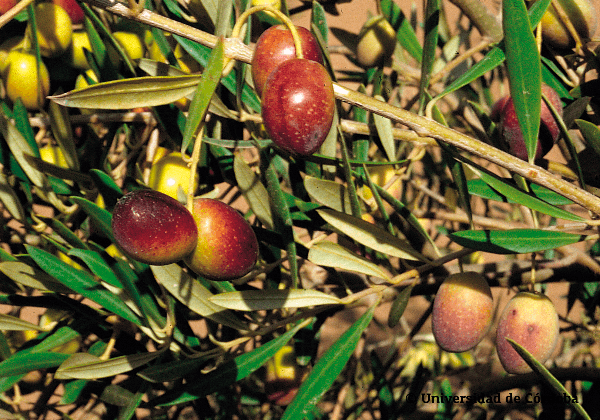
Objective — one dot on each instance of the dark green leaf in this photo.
(327, 369)
(524, 70)
(201, 53)
(519, 196)
(404, 32)
(204, 93)
(398, 306)
(541, 370)
(479, 188)
(432, 18)
(101, 217)
(81, 282)
(20, 364)
(226, 374)
(514, 241)
(591, 134)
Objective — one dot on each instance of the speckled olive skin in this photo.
(276, 46)
(153, 228)
(298, 106)
(227, 246)
(529, 319)
(462, 312)
(510, 131)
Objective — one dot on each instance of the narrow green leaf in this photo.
(20, 148)
(130, 93)
(226, 374)
(514, 241)
(384, 131)
(63, 133)
(32, 277)
(256, 300)
(319, 20)
(101, 217)
(20, 364)
(201, 53)
(591, 134)
(204, 92)
(370, 235)
(519, 196)
(329, 254)
(398, 306)
(328, 193)
(10, 200)
(171, 371)
(432, 17)
(81, 282)
(494, 57)
(282, 218)
(65, 233)
(481, 189)
(253, 190)
(97, 265)
(76, 367)
(524, 70)
(327, 369)
(12, 323)
(541, 370)
(193, 295)
(405, 33)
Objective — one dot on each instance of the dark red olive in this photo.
(298, 106)
(276, 46)
(153, 228)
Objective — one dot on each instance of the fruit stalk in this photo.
(283, 18)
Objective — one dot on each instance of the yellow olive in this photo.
(54, 155)
(376, 42)
(22, 79)
(6, 47)
(81, 41)
(283, 376)
(54, 29)
(131, 43)
(276, 4)
(581, 13)
(170, 173)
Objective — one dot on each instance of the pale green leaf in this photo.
(29, 276)
(328, 193)
(370, 235)
(329, 254)
(385, 133)
(253, 190)
(130, 93)
(63, 133)
(9, 199)
(11, 323)
(203, 94)
(87, 366)
(193, 295)
(255, 300)
(20, 149)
